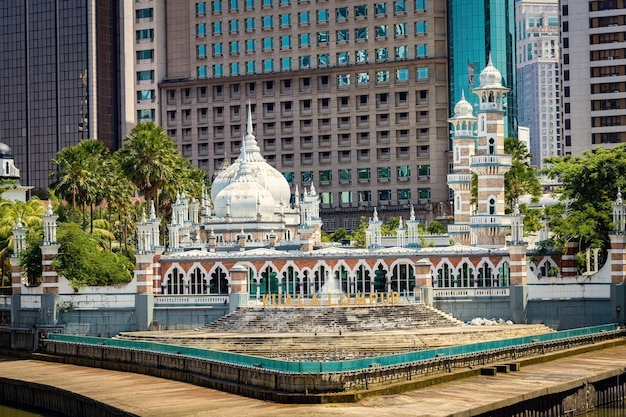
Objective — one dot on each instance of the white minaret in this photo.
(489, 223)
(460, 181)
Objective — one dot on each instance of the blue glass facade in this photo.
(477, 28)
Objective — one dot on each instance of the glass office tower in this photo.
(477, 28)
(59, 79)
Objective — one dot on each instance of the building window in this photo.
(147, 54)
(250, 24)
(360, 12)
(322, 16)
(382, 54)
(343, 80)
(382, 76)
(421, 5)
(250, 45)
(343, 35)
(421, 50)
(382, 31)
(323, 60)
(201, 71)
(268, 65)
(217, 49)
(402, 52)
(399, 7)
(285, 20)
(384, 173)
(268, 44)
(305, 61)
(285, 63)
(323, 37)
(343, 58)
(364, 173)
(400, 30)
(404, 194)
(147, 75)
(201, 8)
(217, 6)
(384, 195)
(217, 28)
(144, 34)
(423, 193)
(422, 73)
(402, 74)
(304, 18)
(380, 9)
(234, 26)
(342, 13)
(421, 27)
(362, 56)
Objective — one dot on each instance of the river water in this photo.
(613, 410)
(14, 412)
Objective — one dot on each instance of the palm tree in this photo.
(81, 170)
(148, 159)
(28, 213)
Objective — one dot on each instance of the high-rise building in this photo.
(351, 97)
(477, 30)
(538, 84)
(593, 56)
(60, 79)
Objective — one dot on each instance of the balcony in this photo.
(459, 178)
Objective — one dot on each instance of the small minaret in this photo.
(490, 164)
(373, 234)
(400, 235)
(19, 243)
(460, 181)
(413, 234)
(49, 251)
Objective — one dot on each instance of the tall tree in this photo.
(148, 159)
(80, 173)
(521, 179)
(589, 184)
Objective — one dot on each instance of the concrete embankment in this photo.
(545, 384)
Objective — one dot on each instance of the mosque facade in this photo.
(245, 243)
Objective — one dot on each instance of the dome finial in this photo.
(489, 61)
(249, 130)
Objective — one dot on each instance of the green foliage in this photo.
(358, 237)
(29, 214)
(589, 184)
(521, 179)
(30, 257)
(436, 228)
(84, 261)
(389, 227)
(340, 234)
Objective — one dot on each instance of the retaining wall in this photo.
(267, 384)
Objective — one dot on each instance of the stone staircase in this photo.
(331, 319)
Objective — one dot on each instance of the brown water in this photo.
(14, 412)
(613, 410)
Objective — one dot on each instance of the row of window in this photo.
(360, 11)
(285, 42)
(346, 174)
(361, 78)
(363, 196)
(285, 86)
(250, 24)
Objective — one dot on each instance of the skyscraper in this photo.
(478, 29)
(60, 82)
(538, 76)
(349, 97)
(593, 48)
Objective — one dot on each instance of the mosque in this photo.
(249, 243)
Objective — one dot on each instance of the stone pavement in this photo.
(150, 396)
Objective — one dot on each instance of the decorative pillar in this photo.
(617, 258)
(238, 296)
(424, 280)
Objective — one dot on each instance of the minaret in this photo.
(463, 148)
(489, 223)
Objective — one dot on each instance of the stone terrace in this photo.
(333, 333)
(332, 319)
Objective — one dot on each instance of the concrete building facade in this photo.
(538, 76)
(61, 63)
(351, 98)
(593, 56)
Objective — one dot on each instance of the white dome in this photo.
(490, 75)
(246, 199)
(258, 170)
(463, 107)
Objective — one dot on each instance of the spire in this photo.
(489, 61)
(249, 130)
(152, 211)
(619, 196)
